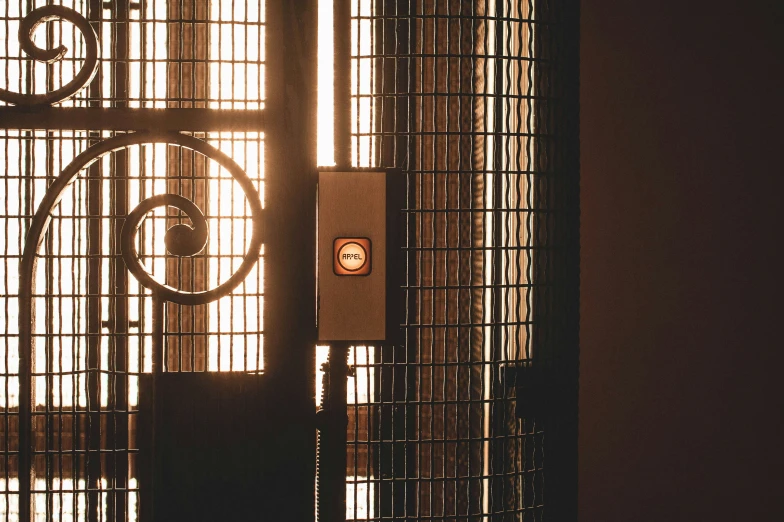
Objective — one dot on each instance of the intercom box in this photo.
(360, 256)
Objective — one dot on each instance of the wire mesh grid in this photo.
(465, 96)
(93, 330)
(461, 95)
(168, 49)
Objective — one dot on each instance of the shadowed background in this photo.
(681, 398)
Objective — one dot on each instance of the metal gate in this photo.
(140, 168)
(158, 247)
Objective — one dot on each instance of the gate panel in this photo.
(166, 104)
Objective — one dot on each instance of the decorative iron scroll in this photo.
(181, 240)
(86, 74)
(185, 241)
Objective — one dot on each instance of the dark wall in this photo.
(682, 336)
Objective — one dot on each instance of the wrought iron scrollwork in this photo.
(180, 239)
(184, 241)
(85, 75)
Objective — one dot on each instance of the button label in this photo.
(351, 256)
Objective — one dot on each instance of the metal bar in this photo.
(49, 343)
(158, 318)
(289, 279)
(94, 278)
(125, 119)
(26, 357)
(158, 305)
(117, 463)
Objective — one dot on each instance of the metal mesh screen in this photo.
(92, 333)
(471, 417)
(472, 100)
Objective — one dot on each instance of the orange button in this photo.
(351, 256)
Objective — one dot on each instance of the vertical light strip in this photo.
(326, 88)
(507, 175)
(488, 302)
(363, 101)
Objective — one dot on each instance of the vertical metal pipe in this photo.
(332, 438)
(342, 83)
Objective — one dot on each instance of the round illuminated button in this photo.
(352, 257)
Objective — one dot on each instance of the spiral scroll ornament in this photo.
(85, 75)
(186, 241)
(181, 239)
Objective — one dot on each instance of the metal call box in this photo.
(360, 262)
